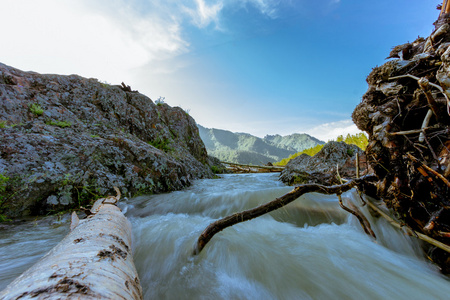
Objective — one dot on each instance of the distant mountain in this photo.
(245, 148)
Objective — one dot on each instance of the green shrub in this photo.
(36, 109)
(161, 144)
(61, 124)
(3, 180)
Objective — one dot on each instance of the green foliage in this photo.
(87, 194)
(300, 179)
(105, 84)
(3, 124)
(3, 181)
(61, 124)
(160, 101)
(67, 179)
(310, 151)
(359, 139)
(36, 109)
(217, 170)
(143, 189)
(161, 144)
(4, 218)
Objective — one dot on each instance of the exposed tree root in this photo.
(419, 235)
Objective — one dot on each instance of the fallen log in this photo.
(94, 261)
(272, 168)
(298, 191)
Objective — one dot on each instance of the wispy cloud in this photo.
(108, 38)
(330, 131)
(203, 14)
(266, 7)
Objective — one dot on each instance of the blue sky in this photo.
(256, 66)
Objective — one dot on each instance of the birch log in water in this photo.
(94, 261)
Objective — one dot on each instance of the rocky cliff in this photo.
(65, 140)
(405, 111)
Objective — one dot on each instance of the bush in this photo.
(36, 109)
(61, 124)
(161, 144)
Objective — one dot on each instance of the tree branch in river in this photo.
(298, 191)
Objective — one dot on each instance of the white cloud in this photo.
(330, 131)
(106, 39)
(203, 15)
(67, 37)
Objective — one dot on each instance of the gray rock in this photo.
(66, 140)
(322, 167)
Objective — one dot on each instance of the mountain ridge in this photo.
(244, 148)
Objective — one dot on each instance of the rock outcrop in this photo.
(322, 168)
(405, 112)
(65, 140)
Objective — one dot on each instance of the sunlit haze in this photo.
(255, 66)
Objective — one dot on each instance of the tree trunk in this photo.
(94, 261)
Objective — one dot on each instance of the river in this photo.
(310, 249)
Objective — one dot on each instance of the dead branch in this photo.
(357, 165)
(445, 8)
(429, 83)
(298, 191)
(406, 132)
(430, 170)
(425, 123)
(444, 234)
(419, 235)
(424, 85)
(432, 222)
(361, 218)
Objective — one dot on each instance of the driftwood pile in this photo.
(406, 113)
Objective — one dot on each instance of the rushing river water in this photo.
(310, 249)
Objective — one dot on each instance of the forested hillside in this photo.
(248, 149)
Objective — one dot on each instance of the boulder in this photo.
(322, 167)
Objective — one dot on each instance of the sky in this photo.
(255, 66)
